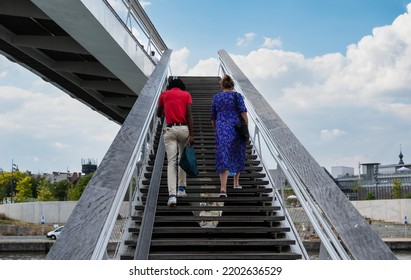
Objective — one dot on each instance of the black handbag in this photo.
(241, 127)
(188, 161)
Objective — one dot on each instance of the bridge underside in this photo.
(78, 54)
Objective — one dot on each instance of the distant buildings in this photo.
(341, 171)
(373, 179)
(88, 166)
(62, 176)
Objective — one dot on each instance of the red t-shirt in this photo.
(174, 102)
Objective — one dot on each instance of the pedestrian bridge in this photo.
(88, 49)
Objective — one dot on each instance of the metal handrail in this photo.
(136, 17)
(147, 223)
(97, 210)
(131, 167)
(321, 225)
(256, 140)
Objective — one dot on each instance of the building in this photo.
(88, 166)
(376, 180)
(56, 177)
(341, 171)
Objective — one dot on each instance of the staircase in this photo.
(244, 225)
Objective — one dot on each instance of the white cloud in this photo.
(208, 67)
(246, 39)
(331, 134)
(366, 88)
(145, 4)
(60, 145)
(363, 94)
(272, 43)
(39, 125)
(178, 63)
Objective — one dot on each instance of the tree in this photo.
(396, 189)
(357, 186)
(5, 179)
(36, 181)
(74, 192)
(370, 196)
(45, 194)
(9, 181)
(45, 191)
(24, 190)
(83, 181)
(60, 189)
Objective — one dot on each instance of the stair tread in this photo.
(234, 229)
(210, 255)
(244, 225)
(243, 219)
(215, 208)
(172, 242)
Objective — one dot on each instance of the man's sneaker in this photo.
(172, 200)
(181, 192)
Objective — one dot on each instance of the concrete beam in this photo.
(21, 9)
(56, 43)
(94, 26)
(88, 68)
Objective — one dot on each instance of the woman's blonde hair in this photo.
(227, 82)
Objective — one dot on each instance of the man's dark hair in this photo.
(176, 83)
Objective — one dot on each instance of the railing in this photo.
(147, 223)
(258, 134)
(331, 214)
(98, 216)
(263, 143)
(133, 17)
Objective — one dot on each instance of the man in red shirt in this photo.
(175, 105)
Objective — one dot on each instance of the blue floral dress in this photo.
(229, 146)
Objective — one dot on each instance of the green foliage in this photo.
(26, 187)
(45, 194)
(9, 182)
(357, 186)
(83, 181)
(45, 190)
(4, 184)
(396, 189)
(74, 193)
(370, 196)
(60, 189)
(24, 190)
(35, 183)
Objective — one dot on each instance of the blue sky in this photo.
(337, 72)
(312, 28)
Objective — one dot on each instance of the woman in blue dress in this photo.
(229, 145)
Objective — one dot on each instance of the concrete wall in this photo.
(54, 212)
(390, 210)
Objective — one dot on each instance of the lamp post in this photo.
(14, 167)
(1, 172)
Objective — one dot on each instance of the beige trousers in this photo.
(175, 138)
